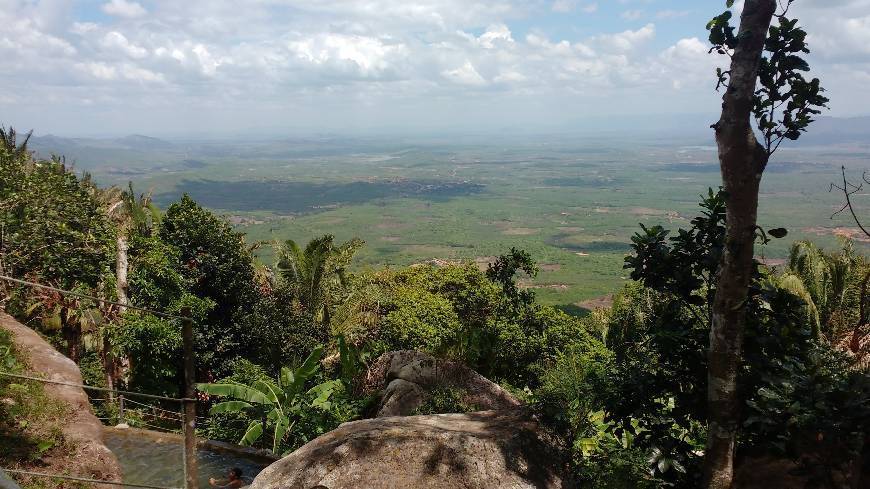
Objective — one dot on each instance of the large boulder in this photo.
(406, 378)
(489, 449)
(87, 455)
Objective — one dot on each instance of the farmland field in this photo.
(573, 203)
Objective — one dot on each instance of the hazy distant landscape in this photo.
(572, 201)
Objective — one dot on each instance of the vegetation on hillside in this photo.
(625, 385)
(707, 358)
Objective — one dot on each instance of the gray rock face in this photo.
(483, 450)
(406, 377)
(82, 430)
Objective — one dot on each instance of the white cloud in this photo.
(354, 55)
(627, 40)
(124, 8)
(465, 75)
(496, 35)
(333, 55)
(115, 41)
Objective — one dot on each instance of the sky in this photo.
(163, 67)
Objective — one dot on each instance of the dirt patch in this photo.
(771, 262)
(82, 431)
(580, 253)
(550, 267)
(603, 302)
(391, 239)
(389, 225)
(331, 221)
(520, 231)
(843, 232)
(423, 250)
(646, 211)
(483, 262)
(569, 229)
(528, 284)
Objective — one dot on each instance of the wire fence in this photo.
(86, 296)
(188, 403)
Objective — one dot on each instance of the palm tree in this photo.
(129, 214)
(9, 142)
(316, 277)
(834, 287)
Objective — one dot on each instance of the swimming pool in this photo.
(148, 457)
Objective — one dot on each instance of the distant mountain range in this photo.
(135, 150)
(53, 143)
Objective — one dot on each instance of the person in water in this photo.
(233, 480)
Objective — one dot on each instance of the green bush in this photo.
(445, 400)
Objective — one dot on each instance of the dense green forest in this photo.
(624, 386)
(708, 363)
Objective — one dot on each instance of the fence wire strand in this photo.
(86, 296)
(91, 387)
(83, 479)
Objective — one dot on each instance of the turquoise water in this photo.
(152, 460)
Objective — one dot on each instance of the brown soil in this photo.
(550, 267)
(391, 239)
(389, 225)
(483, 262)
(851, 233)
(528, 284)
(520, 231)
(604, 301)
(82, 432)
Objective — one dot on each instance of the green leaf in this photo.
(229, 407)
(281, 428)
(267, 389)
(253, 433)
(287, 377)
(587, 446)
(44, 446)
(237, 391)
(306, 370)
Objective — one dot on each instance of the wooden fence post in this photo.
(121, 409)
(190, 470)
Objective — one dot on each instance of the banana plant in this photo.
(273, 404)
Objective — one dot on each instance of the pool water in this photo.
(155, 459)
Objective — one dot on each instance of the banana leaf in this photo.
(267, 389)
(253, 433)
(229, 407)
(236, 391)
(281, 428)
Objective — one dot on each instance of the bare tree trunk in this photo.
(742, 160)
(121, 267)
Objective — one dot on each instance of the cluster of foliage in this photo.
(278, 349)
(644, 400)
(458, 311)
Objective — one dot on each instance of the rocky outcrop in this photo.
(405, 379)
(81, 430)
(483, 450)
